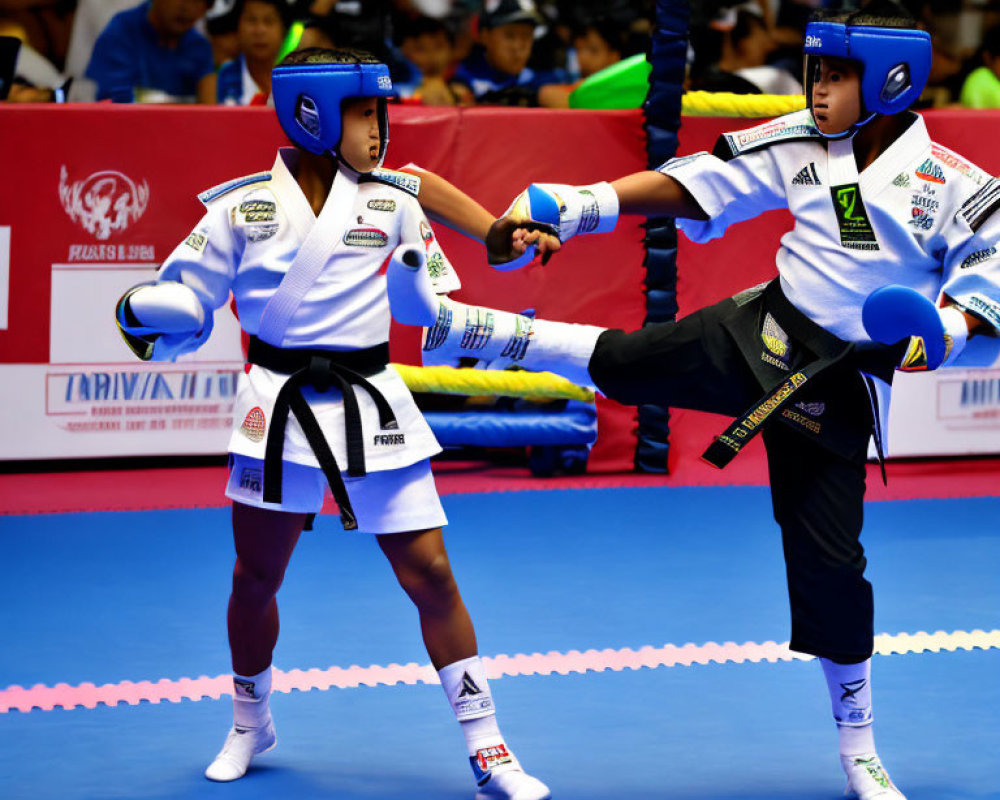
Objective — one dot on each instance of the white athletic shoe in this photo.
(242, 744)
(867, 778)
(499, 777)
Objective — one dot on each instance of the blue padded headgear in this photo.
(308, 97)
(895, 62)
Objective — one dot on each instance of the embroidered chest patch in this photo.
(929, 171)
(366, 237)
(856, 231)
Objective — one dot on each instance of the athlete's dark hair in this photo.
(323, 55)
(876, 14)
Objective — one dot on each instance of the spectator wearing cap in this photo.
(152, 54)
(220, 27)
(497, 72)
(260, 30)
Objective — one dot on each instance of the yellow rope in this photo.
(727, 104)
(507, 383)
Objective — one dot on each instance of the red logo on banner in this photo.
(253, 426)
(104, 203)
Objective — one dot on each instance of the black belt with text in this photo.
(322, 370)
(829, 350)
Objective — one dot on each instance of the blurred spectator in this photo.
(497, 71)
(598, 43)
(92, 17)
(220, 27)
(731, 55)
(152, 54)
(261, 29)
(46, 25)
(982, 88)
(9, 48)
(598, 46)
(426, 44)
(33, 78)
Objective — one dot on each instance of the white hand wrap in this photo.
(568, 210)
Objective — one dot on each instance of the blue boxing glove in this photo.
(936, 336)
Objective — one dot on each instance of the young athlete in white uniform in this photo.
(876, 203)
(300, 248)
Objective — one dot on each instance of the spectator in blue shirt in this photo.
(152, 54)
(260, 31)
(498, 72)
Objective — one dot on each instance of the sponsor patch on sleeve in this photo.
(197, 241)
(401, 180)
(789, 128)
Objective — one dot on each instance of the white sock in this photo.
(250, 699)
(851, 698)
(466, 688)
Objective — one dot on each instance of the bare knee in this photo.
(255, 586)
(430, 583)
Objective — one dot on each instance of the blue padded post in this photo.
(668, 55)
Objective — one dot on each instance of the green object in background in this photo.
(622, 85)
(291, 40)
(981, 89)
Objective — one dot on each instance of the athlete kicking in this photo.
(300, 247)
(892, 263)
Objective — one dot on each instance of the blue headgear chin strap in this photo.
(308, 97)
(895, 64)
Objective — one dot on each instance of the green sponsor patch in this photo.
(855, 228)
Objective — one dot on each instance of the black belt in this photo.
(829, 351)
(322, 370)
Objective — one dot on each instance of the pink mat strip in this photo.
(87, 695)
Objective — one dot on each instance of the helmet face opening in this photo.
(895, 63)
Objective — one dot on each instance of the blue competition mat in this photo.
(133, 596)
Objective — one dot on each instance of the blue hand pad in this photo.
(893, 313)
(544, 206)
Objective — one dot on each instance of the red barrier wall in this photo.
(171, 154)
(491, 153)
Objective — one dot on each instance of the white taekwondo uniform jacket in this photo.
(260, 228)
